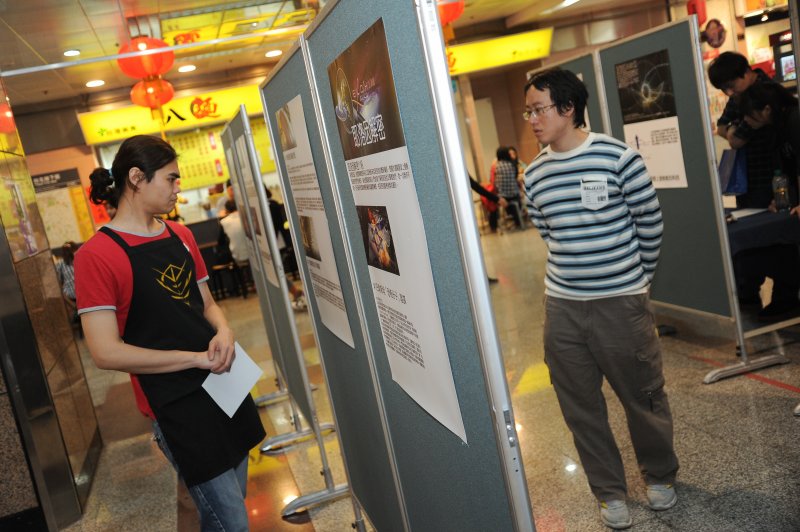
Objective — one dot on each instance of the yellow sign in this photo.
(483, 55)
(100, 127)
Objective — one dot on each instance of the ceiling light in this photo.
(95, 83)
(72, 53)
(273, 53)
(187, 68)
(562, 5)
(765, 17)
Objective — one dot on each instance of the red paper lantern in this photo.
(449, 10)
(7, 124)
(152, 93)
(145, 66)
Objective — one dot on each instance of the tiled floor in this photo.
(737, 440)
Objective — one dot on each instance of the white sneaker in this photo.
(661, 496)
(615, 514)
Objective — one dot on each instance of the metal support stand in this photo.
(358, 524)
(281, 441)
(797, 410)
(746, 365)
(331, 491)
(276, 396)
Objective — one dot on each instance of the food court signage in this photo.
(492, 53)
(100, 127)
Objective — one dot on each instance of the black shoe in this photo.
(778, 310)
(492, 280)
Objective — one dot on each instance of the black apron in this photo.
(166, 313)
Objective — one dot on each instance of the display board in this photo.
(654, 89)
(393, 192)
(262, 249)
(348, 373)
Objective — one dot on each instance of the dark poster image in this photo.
(377, 235)
(645, 88)
(364, 97)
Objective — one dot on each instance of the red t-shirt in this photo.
(104, 279)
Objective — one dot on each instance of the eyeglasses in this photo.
(537, 112)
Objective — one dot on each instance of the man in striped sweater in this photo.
(591, 199)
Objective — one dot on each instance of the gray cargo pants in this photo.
(613, 337)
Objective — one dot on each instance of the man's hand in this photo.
(795, 211)
(502, 202)
(221, 351)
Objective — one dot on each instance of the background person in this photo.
(506, 181)
(146, 310)
(591, 199)
(731, 73)
(232, 226)
(769, 105)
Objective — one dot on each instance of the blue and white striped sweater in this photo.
(600, 253)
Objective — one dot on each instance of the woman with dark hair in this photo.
(146, 309)
(506, 181)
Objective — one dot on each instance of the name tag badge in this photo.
(594, 192)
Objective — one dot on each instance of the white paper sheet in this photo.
(229, 389)
(744, 213)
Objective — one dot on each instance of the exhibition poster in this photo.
(650, 117)
(314, 235)
(258, 232)
(394, 240)
(238, 194)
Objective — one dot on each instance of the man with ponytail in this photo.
(146, 309)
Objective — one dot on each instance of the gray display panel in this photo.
(691, 270)
(446, 484)
(281, 331)
(355, 401)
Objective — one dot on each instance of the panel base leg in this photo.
(744, 367)
(306, 502)
(276, 396)
(279, 442)
(797, 410)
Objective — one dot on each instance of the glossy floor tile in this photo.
(737, 440)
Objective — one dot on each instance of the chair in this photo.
(222, 274)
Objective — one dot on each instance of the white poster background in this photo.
(238, 194)
(407, 305)
(260, 231)
(308, 203)
(659, 143)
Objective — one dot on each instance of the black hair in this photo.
(761, 94)
(145, 152)
(230, 206)
(566, 91)
(726, 68)
(503, 154)
(68, 251)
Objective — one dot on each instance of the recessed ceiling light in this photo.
(72, 53)
(187, 68)
(273, 53)
(95, 83)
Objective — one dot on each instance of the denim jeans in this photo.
(219, 501)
